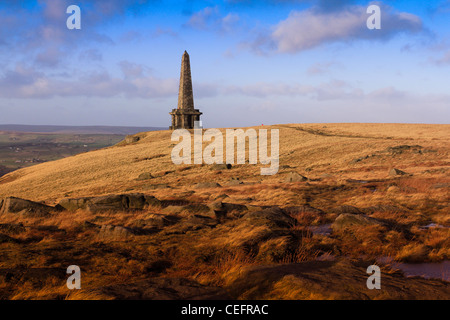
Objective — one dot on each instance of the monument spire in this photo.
(185, 116)
(185, 93)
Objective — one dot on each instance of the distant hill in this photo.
(4, 170)
(77, 129)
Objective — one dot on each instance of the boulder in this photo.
(13, 205)
(403, 148)
(251, 207)
(73, 204)
(272, 217)
(131, 139)
(158, 220)
(173, 209)
(109, 202)
(233, 183)
(348, 220)
(219, 209)
(393, 189)
(197, 208)
(152, 201)
(217, 206)
(222, 196)
(294, 177)
(234, 207)
(396, 172)
(145, 176)
(113, 232)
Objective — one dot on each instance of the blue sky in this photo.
(253, 62)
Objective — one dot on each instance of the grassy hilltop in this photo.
(208, 226)
(319, 151)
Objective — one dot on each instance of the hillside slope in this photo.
(319, 151)
(346, 196)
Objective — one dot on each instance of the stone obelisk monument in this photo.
(185, 115)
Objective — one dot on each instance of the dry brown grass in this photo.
(322, 148)
(325, 153)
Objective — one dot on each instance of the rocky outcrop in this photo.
(74, 203)
(158, 221)
(131, 139)
(121, 202)
(22, 207)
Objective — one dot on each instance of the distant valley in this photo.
(26, 145)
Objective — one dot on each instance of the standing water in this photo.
(427, 270)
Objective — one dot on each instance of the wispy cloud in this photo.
(443, 60)
(321, 68)
(25, 82)
(137, 81)
(211, 19)
(331, 90)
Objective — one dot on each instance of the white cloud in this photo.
(310, 28)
